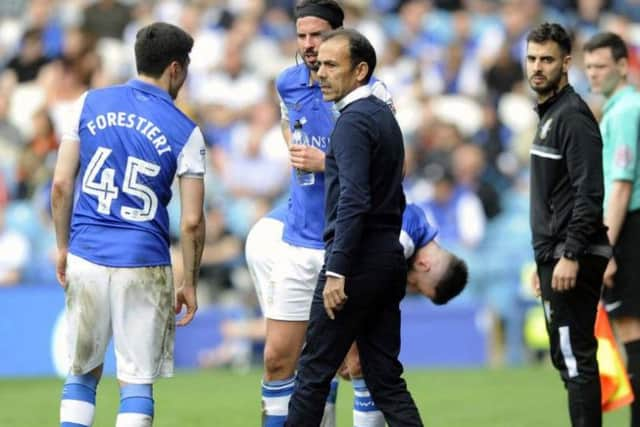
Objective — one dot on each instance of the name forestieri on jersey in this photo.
(132, 121)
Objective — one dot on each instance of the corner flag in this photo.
(614, 381)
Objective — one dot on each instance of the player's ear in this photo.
(362, 69)
(566, 63)
(422, 264)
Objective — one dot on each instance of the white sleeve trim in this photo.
(407, 244)
(71, 120)
(284, 111)
(192, 158)
(336, 275)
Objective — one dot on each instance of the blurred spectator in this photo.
(468, 166)
(14, 252)
(222, 251)
(504, 75)
(495, 139)
(43, 15)
(516, 23)
(106, 18)
(436, 140)
(31, 58)
(33, 168)
(628, 8)
(208, 45)
(11, 139)
(455, 210)
(256, 161)
(458, 71)
(588, 17)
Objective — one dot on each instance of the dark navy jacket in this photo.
(364, 200)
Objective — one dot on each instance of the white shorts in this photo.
(284, 276)
(135, 305)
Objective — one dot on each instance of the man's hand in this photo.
(564, 275)
(535, 283)
(610, 272)
(61, 267)
(333, 295)
(186, 295)
(343, 372)
(306, 158)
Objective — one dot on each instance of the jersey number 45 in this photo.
(106, 191)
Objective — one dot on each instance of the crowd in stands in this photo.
(454, 68)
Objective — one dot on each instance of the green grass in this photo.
(522, 397)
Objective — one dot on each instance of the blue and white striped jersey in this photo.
(416, 231)
(302, 101)
(133, 142)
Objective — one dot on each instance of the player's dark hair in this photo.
(360, 49)
(551, 32)
(329, 10)
(158, 45)
(612, 41)
(453, 281)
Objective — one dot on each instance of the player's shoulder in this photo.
(292, 77)
(629, 105)
(187, 121)
(102, 94)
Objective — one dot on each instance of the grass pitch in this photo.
(522, 397)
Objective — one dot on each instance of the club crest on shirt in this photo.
(544, 130)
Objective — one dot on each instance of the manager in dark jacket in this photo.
(363, 281)
(569, 237)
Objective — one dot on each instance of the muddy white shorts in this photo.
(134, 305)
(285, 276)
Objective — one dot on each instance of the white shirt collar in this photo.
(358, 93)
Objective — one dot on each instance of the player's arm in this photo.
(284, 122)
(191, 167)
(286, 131)
(192, 229)
(302, 157)
(623, 169)
(617, 208)
(626, 126)
(62, 187)
(62, 200)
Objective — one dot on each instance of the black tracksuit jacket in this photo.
(567, 186)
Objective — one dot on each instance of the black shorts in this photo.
(624, 298)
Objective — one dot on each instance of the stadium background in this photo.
(454, 68)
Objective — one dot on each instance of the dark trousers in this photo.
(570, 318)
(371, 317)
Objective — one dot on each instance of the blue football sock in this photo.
(78, 403)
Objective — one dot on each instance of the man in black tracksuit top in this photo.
(360, 287)
(569, 237)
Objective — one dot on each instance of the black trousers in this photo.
(570, 318)
(371, 317)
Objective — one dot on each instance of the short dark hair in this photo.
(360, 49)
(158, 45)
(612, 41)
(453, 281)
(551, 32)
(329, 10)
